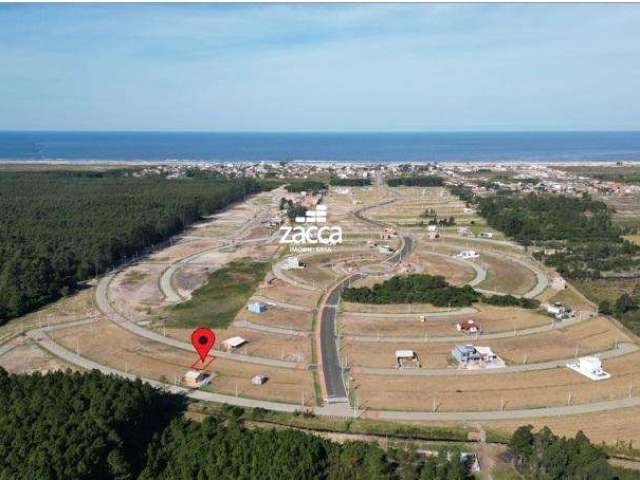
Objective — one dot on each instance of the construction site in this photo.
(286, 341)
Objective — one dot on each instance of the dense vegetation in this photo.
(414, 288)
(543, 455)
(309, 186)
(58, 228)
(416, 181)
(217, 302)
(629, 177)
(75, 426)
(578, 234)
(349, 182)
(464, 193)
(292, 209)
(511, 301)
(95, 427)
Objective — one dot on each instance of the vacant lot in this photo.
(259, 344)
(456, 273)
(506, 276)
(113, 346)
(279, 317)
(217, 302)
(587, 337)
(491, 319)
(488, 392)
(29, 358)
(288, 294)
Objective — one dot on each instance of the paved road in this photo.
(39, 335)
(331, 364)
(103, 304)
(623, 349)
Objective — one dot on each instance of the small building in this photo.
(233, 343)
(432, 228)
(468, 254)
(195, 378)
(257, 307)
(433, 235)
(389, 233)
(468, 211)
(486, 235)
(559, 310)
(468, 326)
(590, 367)
(385, 249)
(259, 379)
(371, 244)
(466, 354)
(292, 263)
(407, 358)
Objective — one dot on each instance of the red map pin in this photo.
(203, 340)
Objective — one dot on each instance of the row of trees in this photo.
(423, 288)
(511, 301)
(58, 228)
(543, 455)
(349, 182)
(414, 288)
(292, 209)
(416, 181)
(95, 427)
(309, 186)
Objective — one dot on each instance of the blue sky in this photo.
(320, 67)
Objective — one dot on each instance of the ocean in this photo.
(321, 147)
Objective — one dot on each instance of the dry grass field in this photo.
(487, 392)
(454, 272)
(288, 294)
(587, 337)
(110, 345)
(610, 427)
(259, 344)
(278, 317)
(506, 276)
(490, 318)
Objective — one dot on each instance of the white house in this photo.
(292, 263)
(407, 356)
(432, 228)
(233, 343)
(468, 254)
(590, 367)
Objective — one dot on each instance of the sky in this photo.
(324, 67)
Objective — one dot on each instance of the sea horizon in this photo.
(319, 146)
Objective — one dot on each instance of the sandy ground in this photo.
(29, 358)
